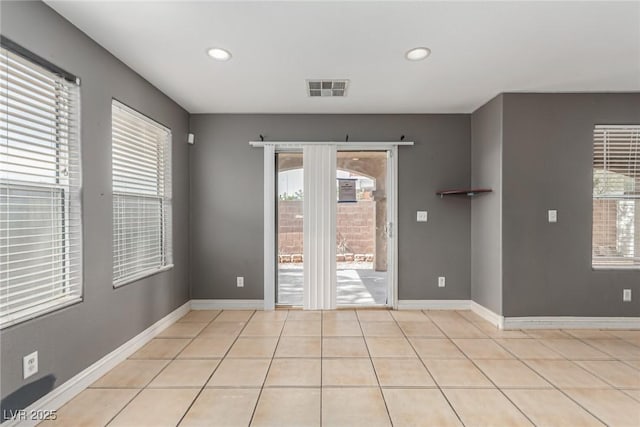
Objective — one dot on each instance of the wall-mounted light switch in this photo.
(626, 295)
(552, 215)
(422, 216)
(441, 282)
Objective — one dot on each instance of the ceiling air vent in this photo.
(327, 87)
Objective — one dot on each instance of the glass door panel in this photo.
(361, 229)
(289, 236)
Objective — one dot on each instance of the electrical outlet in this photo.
(626, 295)
(552, 215)
(441, 282)
(30, 365)
(240, 282)
(422, 216)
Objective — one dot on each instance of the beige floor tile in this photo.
(156, 407)
(207, 348)
(528, 349)
(511, 374)
(92, 407)
(389, 347)
(493, 332)
(547, 333)
(589, 333)
(222, 408)
(381, 329)
(234, 316)
(161, 348)
(270, 316)
(182, 330)
(551, 408)
(353, 407)
(344, 347)
(240, 373)
(421, 329)
(611, 406)
(419, 407)
(263, 329)
(633, 363)
(200, 316)
(471, 316)
(615, 373)
(302, 328)
(633, 393)
(482, 349)
(565, 374)
(409, 316)
(261, 347)
(348, 372)
(402, 373)
(456, 373)
(617, 348)
(574, 349)
(222, 329)
(483, 407)
(294, 372)
(305, 315)
(131, 374)
(185, 373)
(299, 347)
(444, 315)
(374, 315)
(341, 315)
(436, 348)
(631, 336)
(460, 329)
(288, 407)
(341, 328)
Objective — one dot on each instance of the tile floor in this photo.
(369, 368)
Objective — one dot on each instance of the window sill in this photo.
(615, 267)
(41, 310)
(141, 275)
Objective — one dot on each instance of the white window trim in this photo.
(163, 268)
(74, 188)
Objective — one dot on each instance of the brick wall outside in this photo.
(355, 223)
(605, 214)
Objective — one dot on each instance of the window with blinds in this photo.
(616, 197)
(141, 167)
(40, 179)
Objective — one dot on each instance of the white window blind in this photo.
(40, 179)
(616, 197)
(141, 167)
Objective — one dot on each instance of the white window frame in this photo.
(132, 186)
(39, 153)
(612, 169)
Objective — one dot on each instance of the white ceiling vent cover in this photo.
(320, 88)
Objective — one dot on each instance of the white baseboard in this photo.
(69, 389)
(488, 315)
(434, 304)
(227, 304)
(567, 322)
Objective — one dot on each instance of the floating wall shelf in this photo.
(470, 192)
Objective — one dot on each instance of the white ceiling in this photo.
(479, 50)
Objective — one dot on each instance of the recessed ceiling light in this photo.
(219, 54)
(418, 53)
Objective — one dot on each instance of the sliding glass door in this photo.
(334, 244)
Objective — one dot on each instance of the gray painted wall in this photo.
(486, 209)
(227, 197)
(547, 159)
(71, 339)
